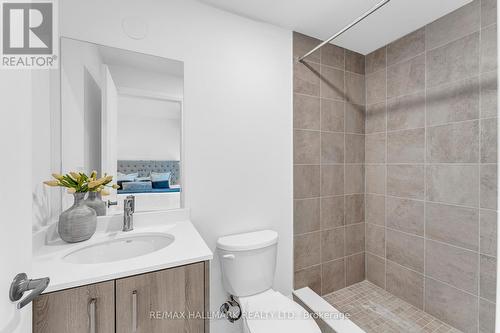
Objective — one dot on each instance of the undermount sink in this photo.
(120, 248)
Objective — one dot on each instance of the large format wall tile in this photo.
(354, 62)
(489, 230)
(332, 180)
(355, 118)
(375, 61)
(354, 208)
(306, 250)
(406, 47)
(452, 265)
(489, 142)
(451, 224)
(375, 270)
(457, 101)
(453, 143)
(405, 284)
(405, 249)
(354, 148)
(376, 87)
(306, 217)
(303, 44)
(487, 283)
(486, 316)
(332, 83)
(332, 115)
(405, 215)
(376, 118)
(406, 112)
(375, 179)
(454, 61)
(375, 209)
(306, 114)
(489, 186)
(454, 184)
(375, 239)
(375, 148)
(406, 146)
(308, 277)
(489, 95)
(354, 239)
(451, 305)
(488, 12)
(406, 78)
(459, 23)
(306, 147)
(332, 212)
(489, 49)
(306, 78)
(332, 147)
(332, 244)
(306, 180)
(332, 55)
(355, 268)
(355, 88)
(333, 276)
(354, 179)
(405, 181)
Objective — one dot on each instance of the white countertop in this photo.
(188, 247)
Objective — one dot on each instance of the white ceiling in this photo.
(323, 18)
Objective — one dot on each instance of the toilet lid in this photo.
(271, 311)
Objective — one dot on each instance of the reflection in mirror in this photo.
(122, 115)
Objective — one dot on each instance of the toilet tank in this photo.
(248, 261)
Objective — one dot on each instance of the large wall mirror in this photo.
(122, 115)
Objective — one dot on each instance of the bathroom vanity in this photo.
(154, 278)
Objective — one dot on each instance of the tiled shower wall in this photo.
(329, 120)
(431, 154)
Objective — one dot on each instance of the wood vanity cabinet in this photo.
(167, 301)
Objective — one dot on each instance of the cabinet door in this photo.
(162, 302)
(87, 309)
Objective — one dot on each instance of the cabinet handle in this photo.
(92, 308)
(134, 311)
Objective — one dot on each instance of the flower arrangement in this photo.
(79, 182)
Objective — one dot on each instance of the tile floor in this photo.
(377, 311)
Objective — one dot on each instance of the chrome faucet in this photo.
(128, 213)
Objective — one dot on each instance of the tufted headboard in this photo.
(144, 168)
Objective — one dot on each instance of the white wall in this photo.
(237, 114)
(148, 129)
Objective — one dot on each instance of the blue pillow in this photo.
(127, 177)
(161, 179)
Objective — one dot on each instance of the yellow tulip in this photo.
(115, 186)
(75, 176)
(52, 183)
(71, 190)
(104, 192)
(57, 176)
(93, 175)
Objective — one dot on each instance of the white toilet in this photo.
(248, 264)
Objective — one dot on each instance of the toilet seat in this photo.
(271, 311)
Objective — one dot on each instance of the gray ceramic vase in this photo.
(94, 201)
(77, 223)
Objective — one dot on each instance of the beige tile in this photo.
(453, 143)
(306, 180)
(332, 83)
(488, 241)
(332, 180)
(376, 87)
(406, 146)
(486, 316)
(489, 186)
(332, 147)
(454, 225)
(451, 305)
(355, 88)
(405, 215)
(376, 60)
(405, 249)
(306, 78)
(375, 239)
(306, 250)
(303, 44)
(405, 181)
(333, 276)
(375, 209)
(488, 12)
(454, 61)
(489, 49)
(355, 269)
(376, 118)
(487, 279)
(354, 148)
(406, 112)
(454, 184)
(354, 239)
(355, 118)
(306, 147)
(306, 114)
(332, 244)
(354, 208)
(332, 55)
(375, 148)
(308, 277)
(354, 179)
(406, 47)
(457, 101)
(375, 270)
(406, 77)
(452, 265)
(489, 95)
(459, 23)
(354, 62)
(332, 115)
(375, 179)
(405, 284)
(306, 215)
(489, 141)
(332, 212)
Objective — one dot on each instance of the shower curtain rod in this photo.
(356, 21)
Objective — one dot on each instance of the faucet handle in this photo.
(129, 203)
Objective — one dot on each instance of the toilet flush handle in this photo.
(228, 256)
